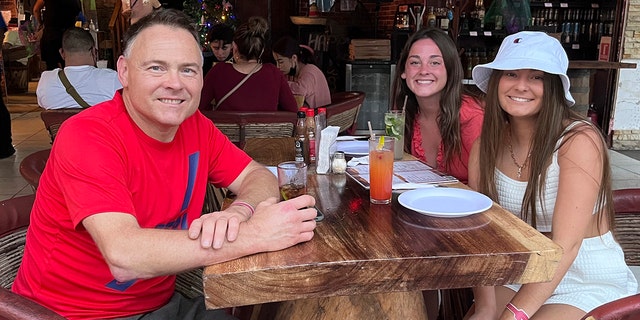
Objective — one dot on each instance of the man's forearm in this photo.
(255, 184)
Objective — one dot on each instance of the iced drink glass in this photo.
(380, 169)
(292, 179)
(299, 100)
(394, 127)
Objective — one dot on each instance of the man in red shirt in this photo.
(117, 213)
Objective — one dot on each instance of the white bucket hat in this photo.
(527, 50)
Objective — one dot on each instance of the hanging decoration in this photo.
(209, 13)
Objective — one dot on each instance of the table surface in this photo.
(361, 248)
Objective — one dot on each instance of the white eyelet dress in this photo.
(599, 273)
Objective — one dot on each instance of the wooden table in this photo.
(370, 260)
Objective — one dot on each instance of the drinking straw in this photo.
(404, 105)
(371, 131)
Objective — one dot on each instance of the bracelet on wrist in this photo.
(518, 314)
(246, 205)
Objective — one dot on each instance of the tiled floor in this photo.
(29, 135)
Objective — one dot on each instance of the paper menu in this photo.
(409, 171)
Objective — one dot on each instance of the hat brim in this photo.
(482, 73)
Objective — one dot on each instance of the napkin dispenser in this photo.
(327, 140)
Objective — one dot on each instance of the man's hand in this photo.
(216, 225)
(275, 225)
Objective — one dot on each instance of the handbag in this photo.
(237, 86)
(71, 90)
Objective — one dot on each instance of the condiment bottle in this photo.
(339, 164)
(301, 136)
(310, 123)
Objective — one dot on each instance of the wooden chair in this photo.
(271, 151)
(239, 126)
(627, 215)
(14, 220)
(622, 309)
(31, 167)
(344, 109)
(53, 118)
(626, 203)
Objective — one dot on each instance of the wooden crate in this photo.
(375, 49)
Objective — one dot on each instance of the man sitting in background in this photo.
(92, 84)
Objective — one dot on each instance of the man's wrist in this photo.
(251, 210)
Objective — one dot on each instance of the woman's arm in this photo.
(286, 101)
(37, 13)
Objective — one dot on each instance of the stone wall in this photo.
(580, 79)
(626, 119)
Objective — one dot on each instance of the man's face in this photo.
(220, 50)
(161, 79)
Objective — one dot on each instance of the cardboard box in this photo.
(604, 49)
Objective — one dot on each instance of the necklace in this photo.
(513, 157)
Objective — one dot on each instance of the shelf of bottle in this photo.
(572, 4)
(483, 33)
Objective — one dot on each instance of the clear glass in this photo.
(380, 169)
(292, 179)
(394, 127)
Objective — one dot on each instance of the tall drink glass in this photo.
(292, 179)
(394, 127)
(380, 169)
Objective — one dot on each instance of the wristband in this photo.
(246, 205)
(518, 314)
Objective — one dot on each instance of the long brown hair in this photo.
(450, 99)
(552, 121)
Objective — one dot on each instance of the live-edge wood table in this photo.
(372, 261)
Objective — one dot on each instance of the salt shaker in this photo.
(339, 164)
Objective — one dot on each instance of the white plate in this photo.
(351, 138)
(445, 202)
(354, 148)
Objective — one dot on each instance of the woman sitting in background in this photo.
(247, 84)
(305, 79)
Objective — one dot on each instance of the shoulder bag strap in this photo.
(237, 85)
(71, 90)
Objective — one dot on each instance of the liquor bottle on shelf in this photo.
(431, 17)
(481, 13)
(473, 19)
(464, 22)
(466, 63)
(450, 8)
(442, 19)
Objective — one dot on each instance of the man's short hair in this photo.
(77, 40)
(222, 32)
(166, 17)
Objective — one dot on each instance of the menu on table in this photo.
(404, 172)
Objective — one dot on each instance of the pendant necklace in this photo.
(513, 157)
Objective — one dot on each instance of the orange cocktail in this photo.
(380, 169)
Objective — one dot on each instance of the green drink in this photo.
(394, 127)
